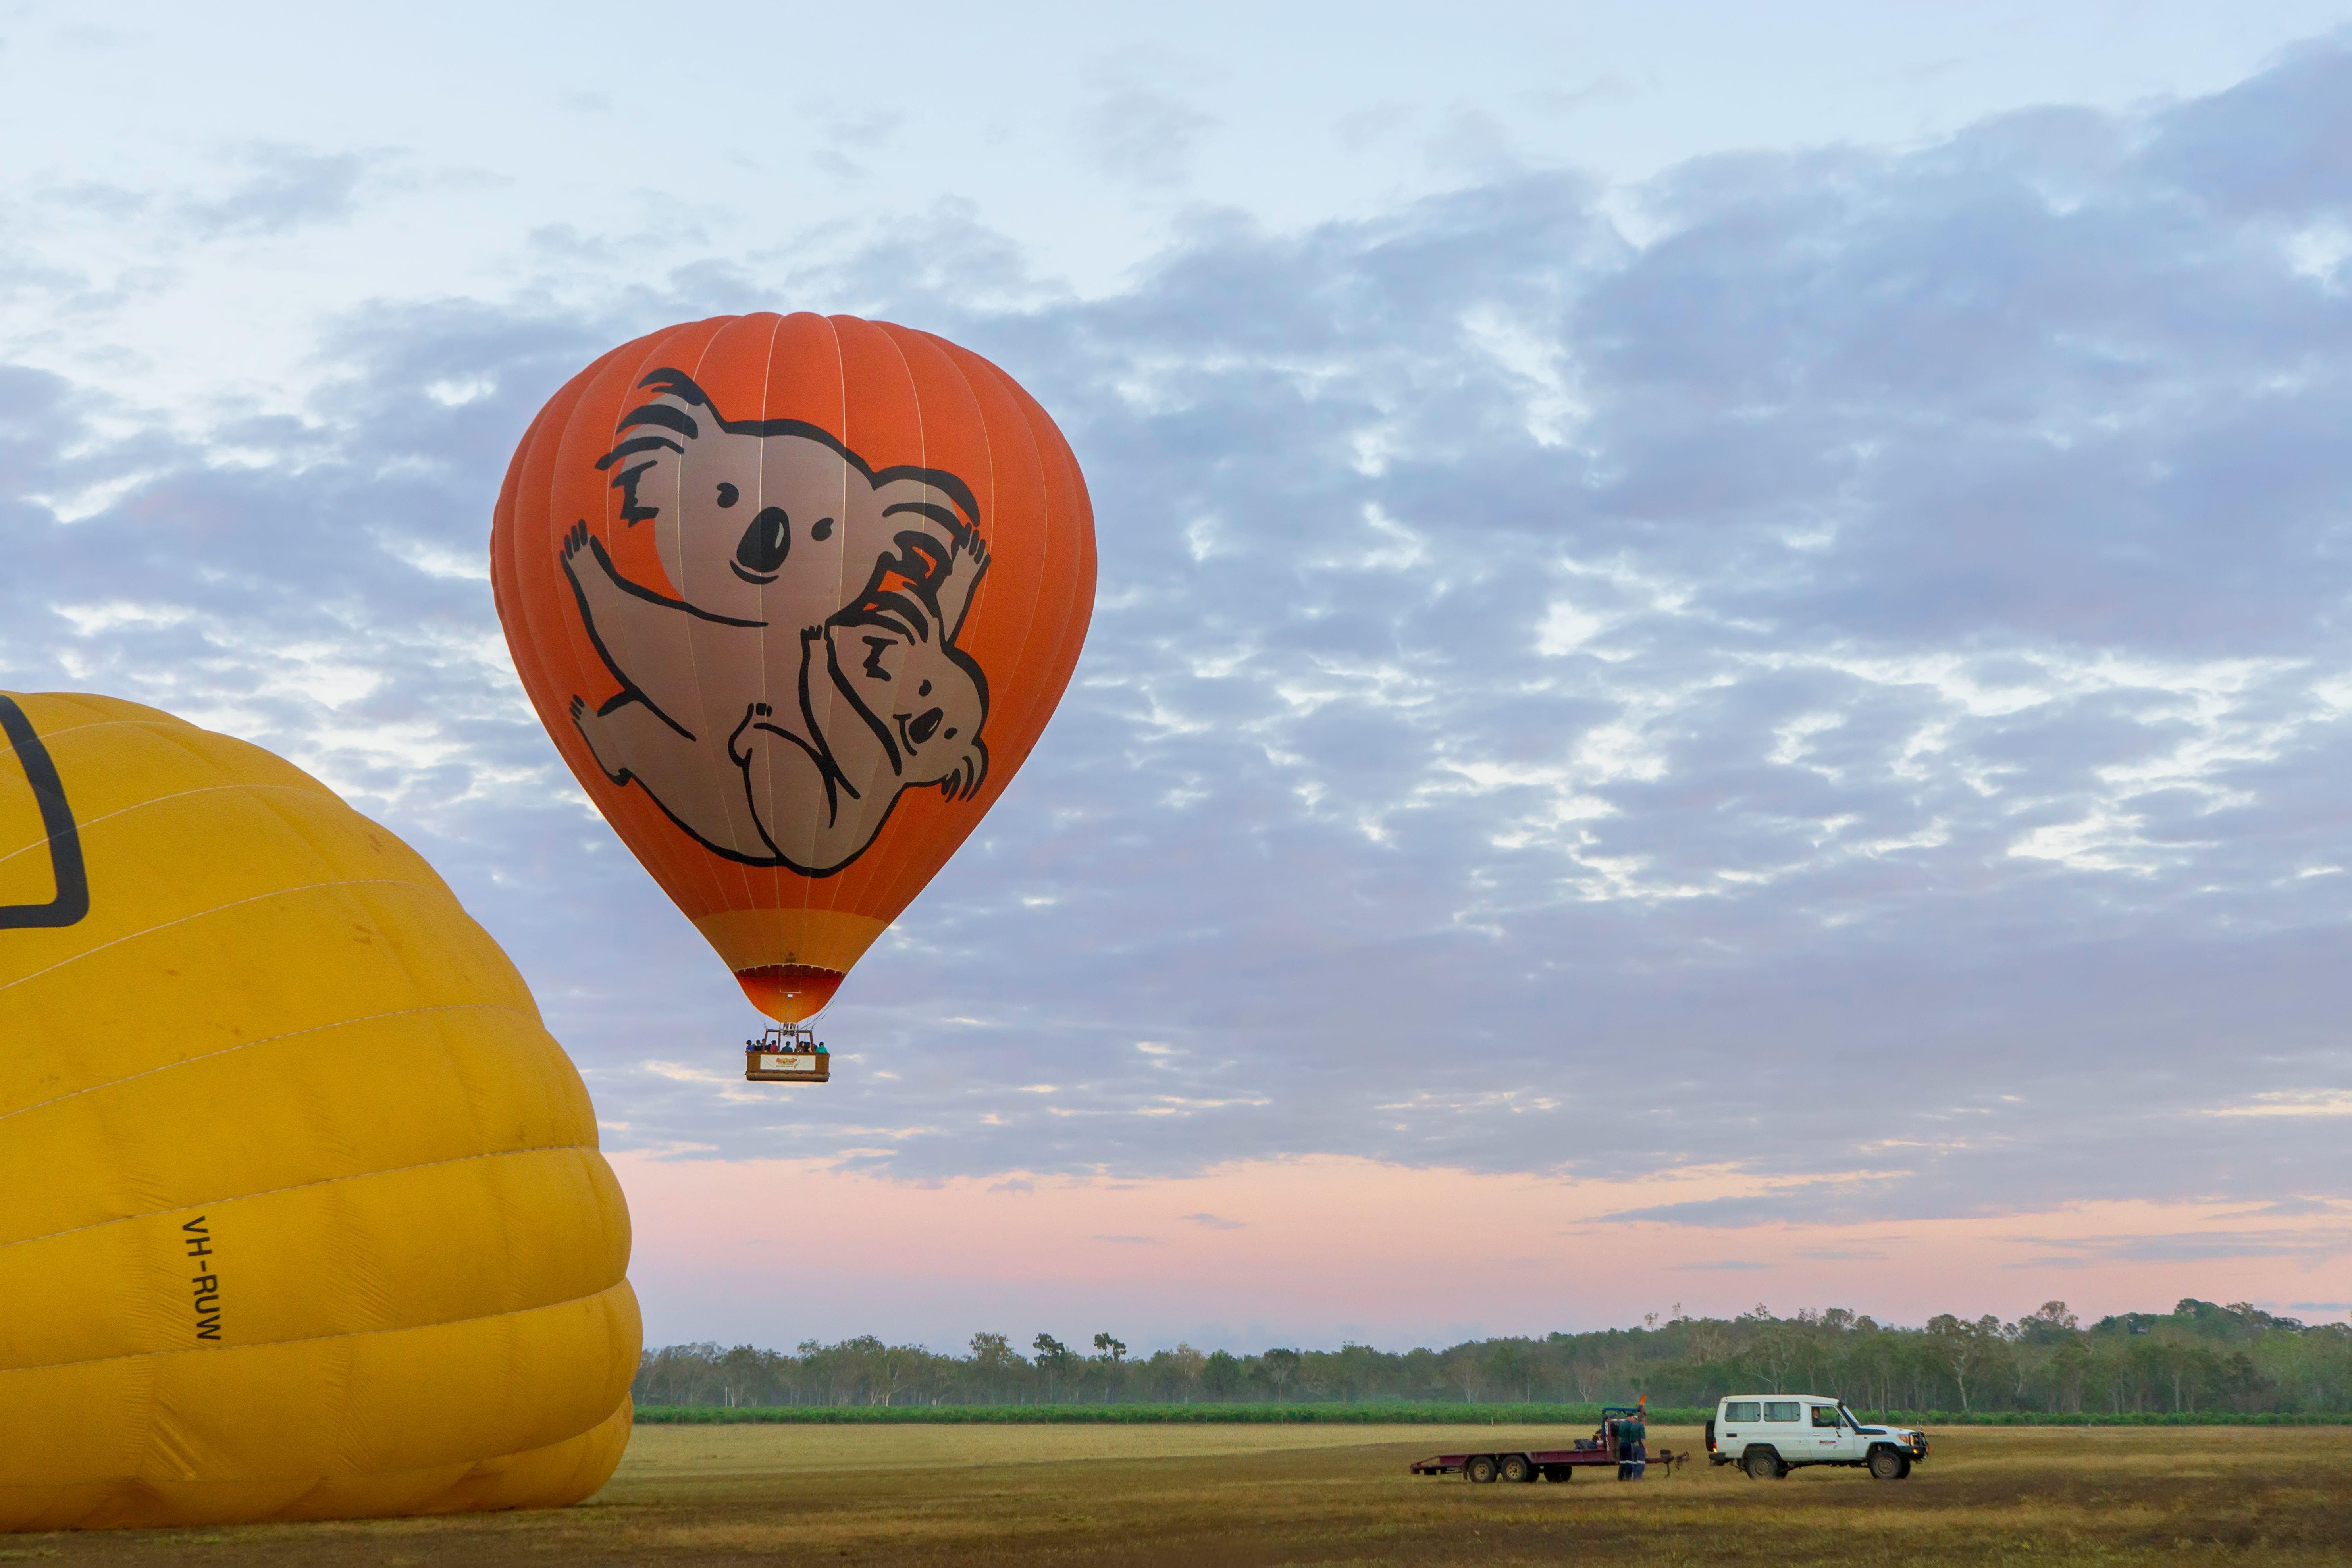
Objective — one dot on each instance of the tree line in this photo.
(2200, 1357)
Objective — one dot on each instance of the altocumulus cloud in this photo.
(1838, 672)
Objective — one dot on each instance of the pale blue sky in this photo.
(199, 190)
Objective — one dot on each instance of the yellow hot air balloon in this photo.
(301, 1214)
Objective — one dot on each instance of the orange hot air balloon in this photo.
(796, 595)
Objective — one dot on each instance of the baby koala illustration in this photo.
(805, 672)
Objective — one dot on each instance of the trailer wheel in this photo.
(1889, 1463)
(1764, 1464)
(1516, 1469)
(1480, 1468)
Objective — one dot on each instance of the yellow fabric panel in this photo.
(549, 1477)
(347, 1406)
(342, 1256)
(265, 969)
(468, 1078)
(301, 1214)
(25, 877)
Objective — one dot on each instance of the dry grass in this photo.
(1327, 1495)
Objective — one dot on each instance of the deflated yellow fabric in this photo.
(301, 1214)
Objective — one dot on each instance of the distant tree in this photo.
(1512, 1366)
(1111, 1352)
(1962, 1348)
(1774, 1349)
(1466, 1371)
(1222, 1375)
(1056, 1358)
(993, 1360)
(1354, 1370)
(1188, 1366)
(2199, 1357)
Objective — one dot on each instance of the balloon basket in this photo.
(787, 1053)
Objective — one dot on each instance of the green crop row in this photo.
(1382, 1415)
(1400, 1413)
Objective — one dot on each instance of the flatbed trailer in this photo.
(1539, 1464)
(1520, 1464)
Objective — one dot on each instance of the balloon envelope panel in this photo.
(794, 595)
(302, 1212)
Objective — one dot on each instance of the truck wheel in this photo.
(1889, 1463)
(1516, 1469)
(1764, 1464)
(1481, 1468)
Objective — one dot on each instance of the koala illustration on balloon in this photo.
(806, 671)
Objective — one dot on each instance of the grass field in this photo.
(1337, 1495)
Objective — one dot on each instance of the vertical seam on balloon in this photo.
(1060, 466)
(806, 890)
(552, 527)
(723, 868)
(686, 865)
(649, 350)
(1051, 477)
(892, 859)
(1045, 498)
(273, 1040)
(523, 650)
(888, 335)
(505, 555)
(1078, 608)
(994, 792)
(659, 349)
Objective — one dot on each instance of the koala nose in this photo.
(924, 727)
(766, 541)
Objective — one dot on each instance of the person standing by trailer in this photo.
(1632, 1452)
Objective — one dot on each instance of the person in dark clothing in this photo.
(1632, 1451)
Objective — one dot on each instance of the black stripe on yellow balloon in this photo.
(72, 899)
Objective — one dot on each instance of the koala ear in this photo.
(922, 497)
(971, 770)
(655, 436)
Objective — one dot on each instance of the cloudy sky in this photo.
(1723, 660)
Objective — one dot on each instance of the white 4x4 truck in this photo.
(1768, 1435)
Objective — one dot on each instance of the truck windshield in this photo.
(1851, 1419)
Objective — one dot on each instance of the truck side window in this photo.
(1739, 1410)
(1825, 1415)
(1783, 1410)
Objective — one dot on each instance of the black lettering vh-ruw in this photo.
(207, 1284)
